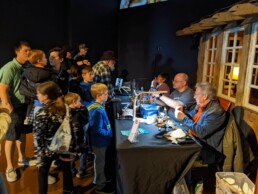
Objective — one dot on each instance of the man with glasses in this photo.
(207, 122)
(181, 96)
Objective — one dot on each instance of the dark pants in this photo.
(67, 176)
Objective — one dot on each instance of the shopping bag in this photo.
(62, 138)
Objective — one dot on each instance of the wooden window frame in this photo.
(223, 63)
(213, 50)
(250, 67)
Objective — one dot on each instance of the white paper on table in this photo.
(134, 131)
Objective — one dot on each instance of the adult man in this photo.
(10, 80)
(61, 76)
(181, 96)
(207, 121)
(102, 70)
(81, 58)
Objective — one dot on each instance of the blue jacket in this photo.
(85, 94)
(99, 125)
(209, 129)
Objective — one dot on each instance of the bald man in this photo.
(181, 96)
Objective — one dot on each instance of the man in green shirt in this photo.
(10, 80)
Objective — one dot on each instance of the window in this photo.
(210, 58)
(230, 63)
(251, 85)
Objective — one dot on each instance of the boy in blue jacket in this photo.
(101, 135)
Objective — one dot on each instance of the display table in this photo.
(151, 165)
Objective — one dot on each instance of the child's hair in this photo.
(71, 97)
(86, 69)
(98, 89)
(52, 90)
(164, 76)
(35, 55)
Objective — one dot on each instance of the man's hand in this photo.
(179, 113)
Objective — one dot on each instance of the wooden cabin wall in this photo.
(247, 118)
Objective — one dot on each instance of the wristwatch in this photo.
(159, 96)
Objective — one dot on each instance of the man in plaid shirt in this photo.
(102, 71)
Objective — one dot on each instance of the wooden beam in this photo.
(244, 9)
(209, 22)
(226, 17)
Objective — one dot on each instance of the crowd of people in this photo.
(27, 83)
(47, 91)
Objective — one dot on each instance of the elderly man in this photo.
(207, 121)
(181, 96)
(102, 70)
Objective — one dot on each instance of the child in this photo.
(47, 121)
(101, 135)
(79, 122)
(37, 73)
(162, 83)
(85, 84)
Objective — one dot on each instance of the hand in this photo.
(179, 114)
(155, 94)
(86, 62)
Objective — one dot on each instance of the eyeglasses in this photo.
(198, 94)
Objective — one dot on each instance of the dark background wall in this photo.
(147, 40)
(143, 37)
(48, 23)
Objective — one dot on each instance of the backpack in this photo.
(62, 138)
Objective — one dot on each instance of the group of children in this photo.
(90, 126)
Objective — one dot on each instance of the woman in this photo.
(163, 86)
(47, 121)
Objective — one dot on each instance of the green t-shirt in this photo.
(10, 74)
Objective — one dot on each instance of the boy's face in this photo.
(103, 97)
(87, 76)
(77, 103)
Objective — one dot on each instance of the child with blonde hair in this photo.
(79, 124)
(101, 134)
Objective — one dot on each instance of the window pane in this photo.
(225, 88)
(207, 79)
(256, 56)
(227, 72)
(253, 99)
(215, 41)
(229, 56)
(231, 39)
(255, 77)
(239, 41)
(209, 55)
(238, 55)
(208, 69)
(214, 56)
(233, 90)
(210, 42)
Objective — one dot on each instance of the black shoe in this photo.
(105, 190)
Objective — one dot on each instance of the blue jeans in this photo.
(2, 185)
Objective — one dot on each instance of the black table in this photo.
(152, 165)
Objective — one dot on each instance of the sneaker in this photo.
(81, 175)
(11, 175)
(51, 180)
(26, 162)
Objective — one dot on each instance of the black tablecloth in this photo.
(151, 165)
